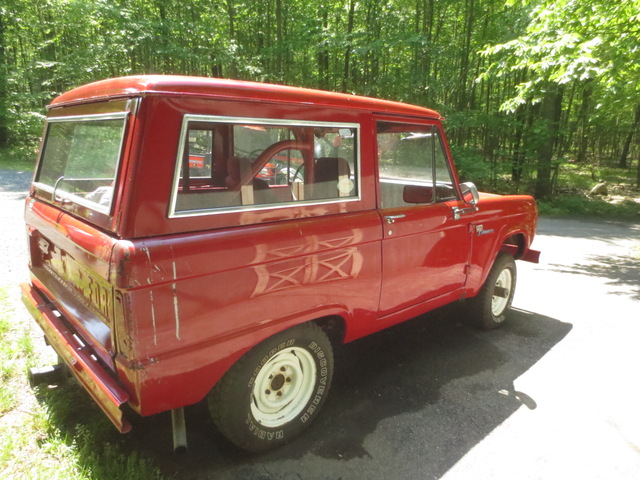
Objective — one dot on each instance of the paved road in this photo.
(13, 190)
(554, 394)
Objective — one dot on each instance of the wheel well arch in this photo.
(515, 245)
(334, 326)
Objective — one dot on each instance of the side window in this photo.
(230, 164)
(413, 167)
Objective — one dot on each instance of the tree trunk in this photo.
(163, 39)
(550, 112)
(372, 67)
(627, 144)
(638, 175)
(231, 12)
(583, 122)
(279, 41)
(323, 50)
(4, 130)
(518, 156)
(424, 13)
(466, 52)
(347, 53)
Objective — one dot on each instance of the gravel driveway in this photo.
(14, 186)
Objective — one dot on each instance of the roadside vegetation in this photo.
(619, 198)
(540, 97)
(20, 157)
(49, 433)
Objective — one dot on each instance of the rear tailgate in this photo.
(72, 299)
(70, 260)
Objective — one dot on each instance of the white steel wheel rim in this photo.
(499, 302)
(283, 387)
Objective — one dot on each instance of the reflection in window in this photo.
(231, 165)
(412, 155)
(80, 157)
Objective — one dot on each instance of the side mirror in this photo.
(470, 193)
(417, 194)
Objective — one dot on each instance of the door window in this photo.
(413, 165)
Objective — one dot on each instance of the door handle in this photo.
(458, 212)
(392, 218)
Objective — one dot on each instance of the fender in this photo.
(503, 223)
(157, 384)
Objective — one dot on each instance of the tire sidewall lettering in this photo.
(231, 402)
(322, 380)
(263, 434)
(323, 373)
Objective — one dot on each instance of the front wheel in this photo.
(274, 392)
(489, 308)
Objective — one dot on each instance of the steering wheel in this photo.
(272, 150)
(277, 147)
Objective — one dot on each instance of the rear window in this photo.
(80, 158)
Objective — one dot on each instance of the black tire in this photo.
(275, 390)
(489, 308)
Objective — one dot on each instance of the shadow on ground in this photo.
(407, 402)
(621, 272)
(410, 400)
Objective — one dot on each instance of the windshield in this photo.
(80, 159)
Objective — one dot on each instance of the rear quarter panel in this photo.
(202, 290)
(198, 302)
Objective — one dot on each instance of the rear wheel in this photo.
(489, 308)
(274, 392)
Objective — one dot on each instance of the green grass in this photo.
(53, 433)
(582, 206)
(575, 177)
(18, 158)
(576, 180)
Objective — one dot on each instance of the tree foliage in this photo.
(570, 47)
(524, 85)
(570, 41)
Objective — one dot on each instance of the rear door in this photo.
(424, 248)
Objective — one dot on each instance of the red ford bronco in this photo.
(196, 238)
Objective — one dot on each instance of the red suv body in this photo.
(197, 238)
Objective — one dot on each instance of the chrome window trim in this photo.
(106, 209)
(259, 207)
(89, 117)
(278, 122)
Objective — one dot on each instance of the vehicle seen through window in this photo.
(231, 163)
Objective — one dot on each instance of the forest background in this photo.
(539, 96)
